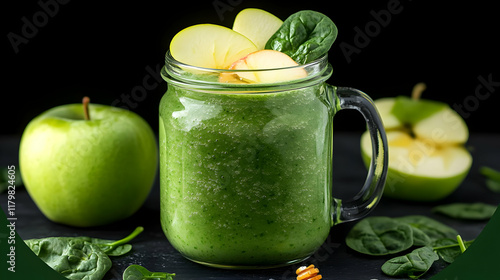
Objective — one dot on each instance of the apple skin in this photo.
(417, 188)
(88, 172)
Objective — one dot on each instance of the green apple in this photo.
(257, 25)
(88, 171)
(427, 158)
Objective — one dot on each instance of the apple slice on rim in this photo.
(210, 46)
(257, 25)
(264, 60)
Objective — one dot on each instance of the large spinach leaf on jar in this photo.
(380, 236)
(75, 259)
(304, 36)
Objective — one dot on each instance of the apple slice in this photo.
(264, 60)
(210, 46)
(434, 121)
(257, 25)
(445, 127)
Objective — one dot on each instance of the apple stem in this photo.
(85, 102)
(417, 91)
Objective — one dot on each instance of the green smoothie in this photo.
(246, 178)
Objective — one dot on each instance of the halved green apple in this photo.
(257, 25)
(427, 159)
(210, 46)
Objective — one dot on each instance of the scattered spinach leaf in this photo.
(432, 228)
(73, 258)
(449, 249)
(114, 248)
(383, 235)
(137, 272)
(380, 236)
(420, 238)
(494, 186)
(467, 211)
(304, 36)
(84, 258)
(413, 265)
(492, 178)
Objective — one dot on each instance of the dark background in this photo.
(103, 50)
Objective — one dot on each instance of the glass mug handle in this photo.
(364, 202)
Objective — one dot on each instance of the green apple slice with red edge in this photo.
(286, 68)
(257, 25)
(427, 159)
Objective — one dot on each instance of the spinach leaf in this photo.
(380, 236)
(83, 258)
(449, 249)
(304, 36)
(492, 178)
(468, 211)
(432, 228)
(413, 265)
(111, 247)
(420, 238)
(73, 258)
(137, 272)
(107, 246)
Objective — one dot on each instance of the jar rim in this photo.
(169, 59)
(182, 74)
